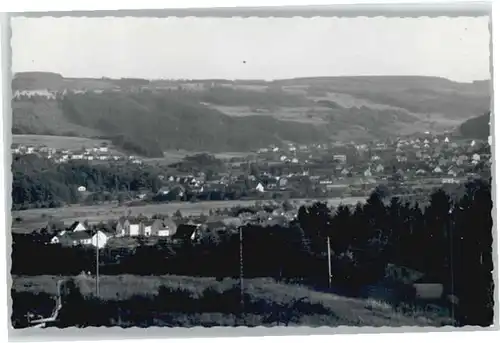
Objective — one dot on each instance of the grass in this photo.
(201, 301)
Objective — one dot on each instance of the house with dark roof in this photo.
(87, 238)
(186, 232)
(73, 238)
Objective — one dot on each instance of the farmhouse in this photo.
(135, 227)
(164, 228)
(122, 227)
(186, 232)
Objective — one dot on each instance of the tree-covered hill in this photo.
(477, 128)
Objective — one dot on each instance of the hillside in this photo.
(168, 121)
(476, 128)
(148, 117)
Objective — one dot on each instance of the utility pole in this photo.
(329, 262)
(241, 271)
(97, 264)
(450, 225)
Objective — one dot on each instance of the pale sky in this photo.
(273, 48)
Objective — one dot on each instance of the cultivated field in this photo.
(58, 142)
(218, 301)
(36, 218)
(174, 156)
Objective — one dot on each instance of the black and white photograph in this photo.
(204, 171)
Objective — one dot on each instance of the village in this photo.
(335, 169)
(338, 170)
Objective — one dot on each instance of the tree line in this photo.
(449, 241)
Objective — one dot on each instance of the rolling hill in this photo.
(148, 117)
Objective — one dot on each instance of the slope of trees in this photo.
(450, 242)
(478, 127)
(39, 182)
(157, 122)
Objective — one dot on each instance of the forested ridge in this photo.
(157, 122)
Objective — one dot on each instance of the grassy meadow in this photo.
(207, 301)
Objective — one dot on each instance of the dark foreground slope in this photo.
(127, 301)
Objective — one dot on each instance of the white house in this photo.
(147, 229)
(100, 239)
(134, 228)
(446, 140)
(379, 168)
(476, 157)
(164, 232)
(437, 170)
(295, 160)
(368, 173)
(259, 188)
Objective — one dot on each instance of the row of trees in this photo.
(450, 242)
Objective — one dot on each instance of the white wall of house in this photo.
(164, 233)
(54, 240)
(120, 231)
(134, 229)
(99, 240)
(83, 241)
(147, 230)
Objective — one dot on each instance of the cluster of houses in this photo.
(97, 153)
(81, 233)
(418, 157)
(173, 229)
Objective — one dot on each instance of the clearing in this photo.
(37, 218)
(58, 142)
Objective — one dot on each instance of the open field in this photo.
(206, 296)
(314, 115)
(36, 218)
(174, 156)
(58, 142)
